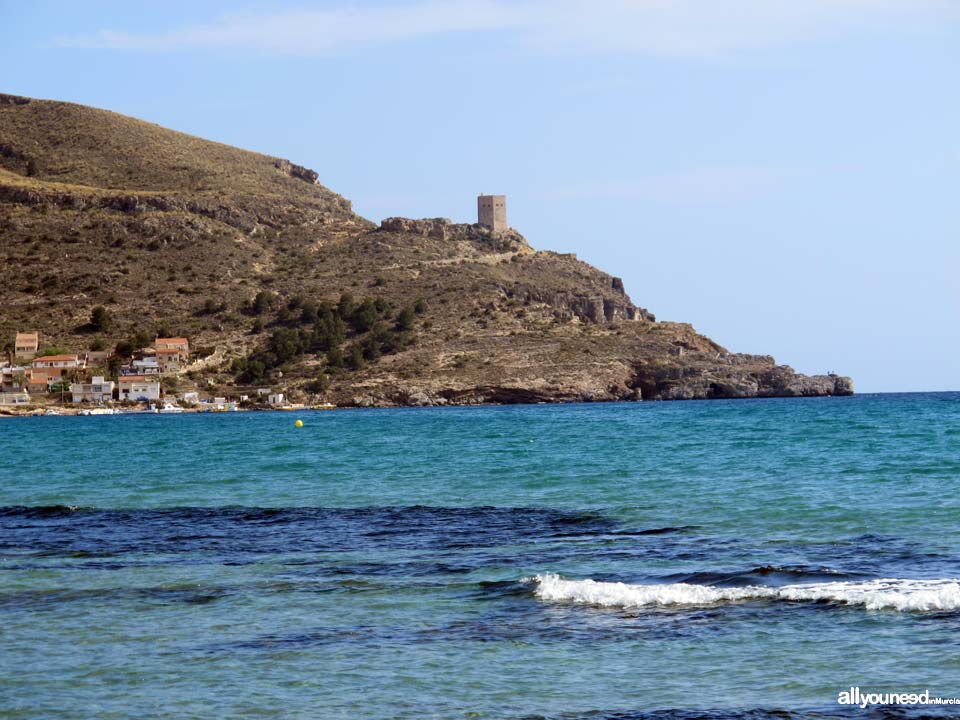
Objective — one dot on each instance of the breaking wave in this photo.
(884, 594)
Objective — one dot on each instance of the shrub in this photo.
(52, 350)
(140, 340)
(285, 344)
(364, 317)
(263, 301)
(319, 385)
(335, 357)
(210, 307)
(355, 359)
(405, 319)
(254, 372)
(286, 317)
(345, 306)
(308, 312)
(328, 331)
(371, 348)
(100, 318)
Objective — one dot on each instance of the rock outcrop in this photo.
(297, 171)
(425, 227)
(697, 376)
(445, 229)
(226, 211)
(6, 99)
(590, 308)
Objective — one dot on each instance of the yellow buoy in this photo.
(299, 423)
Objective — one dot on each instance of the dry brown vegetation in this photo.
(171, 232)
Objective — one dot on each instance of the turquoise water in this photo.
(436, 562)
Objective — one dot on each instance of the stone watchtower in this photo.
(492, 212)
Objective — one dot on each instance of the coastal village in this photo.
(36, 378)
(41, 380)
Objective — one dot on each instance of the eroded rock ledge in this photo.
(6, 99)
(232, 213)
(668, 384)
(446, 229)
(700, 376)
(297, 171)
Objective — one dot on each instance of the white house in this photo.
(97, 391)
(146, 366)
(139, 387)
(14, 398)
(275, 398)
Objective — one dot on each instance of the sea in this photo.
(720, 559)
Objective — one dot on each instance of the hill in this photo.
(284, 284)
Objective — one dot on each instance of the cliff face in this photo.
(174, 233)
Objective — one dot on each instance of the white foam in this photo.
(886, 594)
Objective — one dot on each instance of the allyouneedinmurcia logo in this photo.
(854, 696)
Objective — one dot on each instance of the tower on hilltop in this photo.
(492, 211)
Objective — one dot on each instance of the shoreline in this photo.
(68, 411)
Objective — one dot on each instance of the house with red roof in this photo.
(54, 366)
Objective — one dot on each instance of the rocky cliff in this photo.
(253, 258)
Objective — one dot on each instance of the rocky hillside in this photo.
(250, 257)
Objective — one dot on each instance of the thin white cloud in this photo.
(662, 27)
(313, 32)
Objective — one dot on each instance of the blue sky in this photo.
(783, 174)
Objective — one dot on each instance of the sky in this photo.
(782, 174)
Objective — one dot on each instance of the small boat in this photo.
(170, 408)
(100, 411)
(51, 412)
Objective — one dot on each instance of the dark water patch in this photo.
(398, 569)
(873, 555)
(515, 623)
(637, 533)
(350, 635)
(41, 511)
(65, 531)
(516, 618)
(38, 600)
(835, 712)
(770, 575)
(658, 531)
(498, 589)
(454, 541)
